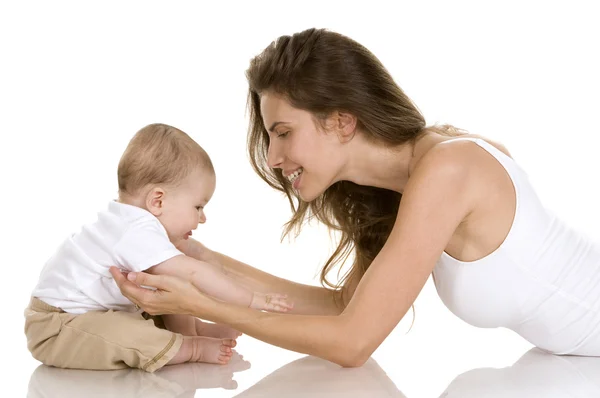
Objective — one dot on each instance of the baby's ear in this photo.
(154, 201)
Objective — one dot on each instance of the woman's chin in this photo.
(307, 195)
(301, 195)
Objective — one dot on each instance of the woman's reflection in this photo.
(535, 374)
(314, 377)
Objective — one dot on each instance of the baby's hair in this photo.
(159, 154)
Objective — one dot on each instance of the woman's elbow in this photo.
(352, 345)
(351, 361)
(354, 362)
(353, 355)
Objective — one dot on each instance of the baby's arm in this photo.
(209, 279)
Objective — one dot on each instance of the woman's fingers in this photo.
(141, 279)
(128, 289)
(120, 278)
(144, 279)
(171, 295)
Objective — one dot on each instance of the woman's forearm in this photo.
(328, 337)
(307, 299)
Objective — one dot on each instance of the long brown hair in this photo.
(322, 71)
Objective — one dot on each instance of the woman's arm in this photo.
(206, 277)
(209, 279)
(436, 199)
(321, 336)
(307, 299)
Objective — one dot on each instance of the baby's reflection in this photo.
(314, 377)
(176, 381)
(535, 374)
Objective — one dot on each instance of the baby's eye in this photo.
(199, 207)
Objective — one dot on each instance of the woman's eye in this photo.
(282, 135)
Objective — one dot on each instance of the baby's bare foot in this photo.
(216, 330)
(204, 349)
(212, 350)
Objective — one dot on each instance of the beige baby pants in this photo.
(98, 340)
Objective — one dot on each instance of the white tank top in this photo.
(543, 282)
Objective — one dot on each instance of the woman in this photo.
(331, 129)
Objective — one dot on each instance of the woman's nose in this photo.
(274, 156)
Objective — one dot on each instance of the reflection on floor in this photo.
(535, 374)
(306, 377)
(314, 377)
(180, 381)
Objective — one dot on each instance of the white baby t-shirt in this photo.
(76, 278)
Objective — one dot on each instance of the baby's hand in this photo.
(271, 302)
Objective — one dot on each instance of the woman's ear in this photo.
(154, 201)
(344, 124)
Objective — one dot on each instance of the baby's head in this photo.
(167, 173)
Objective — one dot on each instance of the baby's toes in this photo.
(229, 342)
(224, 359)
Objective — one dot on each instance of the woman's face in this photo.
(309, 157)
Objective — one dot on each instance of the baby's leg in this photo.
(215, 330)
(97, 340)
(182, 324)
(204, 349)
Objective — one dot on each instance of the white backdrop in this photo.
(78, 79)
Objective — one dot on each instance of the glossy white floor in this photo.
(79, 78)
(422, 363)
(534, 375)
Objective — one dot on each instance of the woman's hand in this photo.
(172, 295)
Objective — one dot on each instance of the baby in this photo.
(77, 317)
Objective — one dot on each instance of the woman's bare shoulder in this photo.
(461, 161)
(497, 144)
(450, 152)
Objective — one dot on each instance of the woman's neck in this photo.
(384, 167)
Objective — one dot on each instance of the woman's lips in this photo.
(297, 182)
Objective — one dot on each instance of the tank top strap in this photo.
(506, 161)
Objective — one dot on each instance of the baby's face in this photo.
(183, 206)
